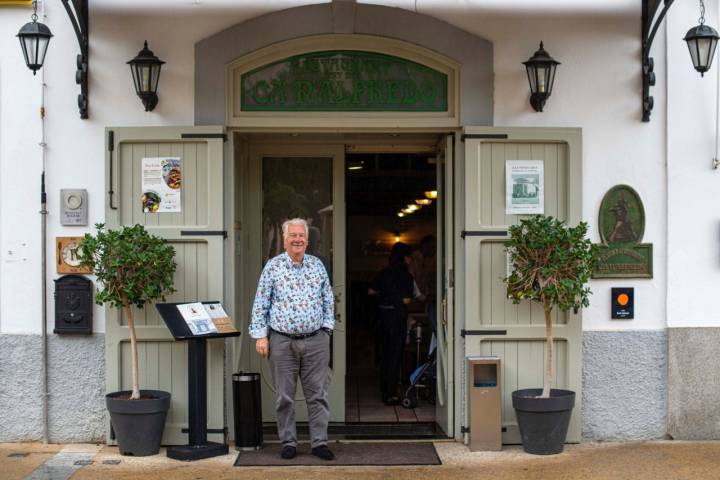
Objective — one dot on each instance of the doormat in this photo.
(346, 454)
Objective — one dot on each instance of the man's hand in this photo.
(262, 346)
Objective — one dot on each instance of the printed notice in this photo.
(219, 318)
(524, 187)
(161, 185)
(197, 318)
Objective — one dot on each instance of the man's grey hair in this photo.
(295, 221)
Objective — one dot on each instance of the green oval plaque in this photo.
(622, 216)
(622, 224)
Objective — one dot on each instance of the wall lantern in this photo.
(702, 41)
(34, 40)
(541, 75)
(145, 69)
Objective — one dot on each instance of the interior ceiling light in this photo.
(423, 201)
(407, 211)
(355, 165)
(413, 207)
(431, 194)
(400, 214)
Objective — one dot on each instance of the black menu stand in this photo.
(198, 446)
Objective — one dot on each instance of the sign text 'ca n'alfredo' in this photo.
(344, 81)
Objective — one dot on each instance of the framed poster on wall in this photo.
(524, 187)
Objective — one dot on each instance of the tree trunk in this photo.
(548, 365)
(133, 350)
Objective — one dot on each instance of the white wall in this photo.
(20, 167)
(598, 89)
(75, 147)
(694, 187)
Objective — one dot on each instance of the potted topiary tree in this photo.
(133, 268)
(551, 264)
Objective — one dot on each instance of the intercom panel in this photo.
(73, 207)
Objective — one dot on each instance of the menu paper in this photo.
(197, 318)
(219, 318)
(161, 185)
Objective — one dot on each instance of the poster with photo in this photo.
(524, 187)
(161, 185)
(197, 318)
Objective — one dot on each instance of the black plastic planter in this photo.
(138, 424)
(543, 422)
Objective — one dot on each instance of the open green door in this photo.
(493, 324)
(197, 233)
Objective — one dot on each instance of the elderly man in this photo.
(292, 320)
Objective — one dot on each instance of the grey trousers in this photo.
(309, 359)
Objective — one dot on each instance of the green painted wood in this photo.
(344, 81)
(484, 299)
(199, 274)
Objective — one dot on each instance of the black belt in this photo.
(298, 336)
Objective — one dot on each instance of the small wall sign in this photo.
(623, 303)
(622, 223)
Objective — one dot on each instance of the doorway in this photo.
(354, 213)
(391, 199)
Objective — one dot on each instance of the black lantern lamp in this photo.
(34, 40)
(541, 75)
(702, 41)
(145, 68)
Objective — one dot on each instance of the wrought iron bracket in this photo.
(650, 25)
(77, 10)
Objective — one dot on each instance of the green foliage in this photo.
(552, 263)
(133, 266)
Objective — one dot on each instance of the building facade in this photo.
(640, 378)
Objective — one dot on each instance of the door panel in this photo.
(199, 258)
(520, 339)
(446, 291)
(305, 181)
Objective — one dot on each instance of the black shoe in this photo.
(392, 401)
(288, 452)
(323, 452)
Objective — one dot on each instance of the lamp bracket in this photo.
(77, 10)
(650, 25)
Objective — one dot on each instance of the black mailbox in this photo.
(73, 304)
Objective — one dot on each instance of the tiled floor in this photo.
(363, 405)
(362, 396)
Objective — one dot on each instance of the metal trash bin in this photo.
(247, 409)
(485, 403)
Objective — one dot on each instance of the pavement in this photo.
(657, 460)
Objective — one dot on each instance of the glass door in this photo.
(307, 181)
